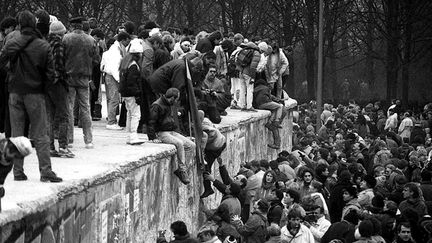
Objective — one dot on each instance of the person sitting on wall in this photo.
(213, 99)
(263, 99)
(162, 125)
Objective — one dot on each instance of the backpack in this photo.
(244, 57)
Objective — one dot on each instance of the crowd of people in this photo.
(363, 176)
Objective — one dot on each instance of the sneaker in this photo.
(65, 153)
(89, 146)
(54, 153)
(20, 177)
(113, 127)
(51, 177)
(182, 175)
(135, 142)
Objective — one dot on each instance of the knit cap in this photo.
(23, 145)
(57, 27)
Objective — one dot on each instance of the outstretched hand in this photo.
(209, 177)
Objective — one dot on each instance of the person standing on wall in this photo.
(33, 66)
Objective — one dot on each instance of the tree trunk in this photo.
(159, 11)
(392, 48)
(237, 15)
(370, 65)
(407, 51)
(223, 15)
(309, 45)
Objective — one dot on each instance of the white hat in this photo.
(135, 46)
(263, 46)
(23, 145)
(155, 31)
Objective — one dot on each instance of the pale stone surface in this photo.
(99, 183)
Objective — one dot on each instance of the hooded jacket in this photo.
(31, 62)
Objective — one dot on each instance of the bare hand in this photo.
(209, 177)
(236, 218)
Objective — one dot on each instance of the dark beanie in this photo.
(366, 228)
(235, 189)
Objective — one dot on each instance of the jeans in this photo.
(235, 89)
(246, 91)
(33, 106)
(82, 96)
(58, 110)
(133, 114)
(275, 108)
(182, 144)
(113, 98)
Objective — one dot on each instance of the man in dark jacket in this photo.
(162, 125)
(32, 63)
(263, 99)
(80, 55)
(181, 234)
(343, 230)
(254, 230)
(207, 44)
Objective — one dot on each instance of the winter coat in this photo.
(351, 205)
(81, 54)
(171, 75)
(233, 204)
(147, 60)
(161, 118)
(32, 67)
(274, 214)
(254, 230)
(204, 45)
(252, 68)
(274, 239)
(426, 188)
(340, 230)
(415, 203)
(130, 85)
(57, 50)
(261, 94)
(225, 230)
(336, 202)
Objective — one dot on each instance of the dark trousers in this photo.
(33, 106)
(57, 110)
(94, 93)
(210, 156)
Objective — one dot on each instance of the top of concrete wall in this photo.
(111, 158)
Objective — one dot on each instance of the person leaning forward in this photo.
(162, 126)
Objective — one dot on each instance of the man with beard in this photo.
(295, 231)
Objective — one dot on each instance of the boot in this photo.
(182, 175)
(207, 189)
(276, 139)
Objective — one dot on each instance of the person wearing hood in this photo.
(263, 99)
(247, 74)
(254, 230)
(27, 98)
(411, 194)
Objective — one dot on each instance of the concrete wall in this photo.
(133, 201)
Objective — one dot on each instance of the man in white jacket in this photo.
(110, 65)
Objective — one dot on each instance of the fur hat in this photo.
(57, 27)
(23, 145)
